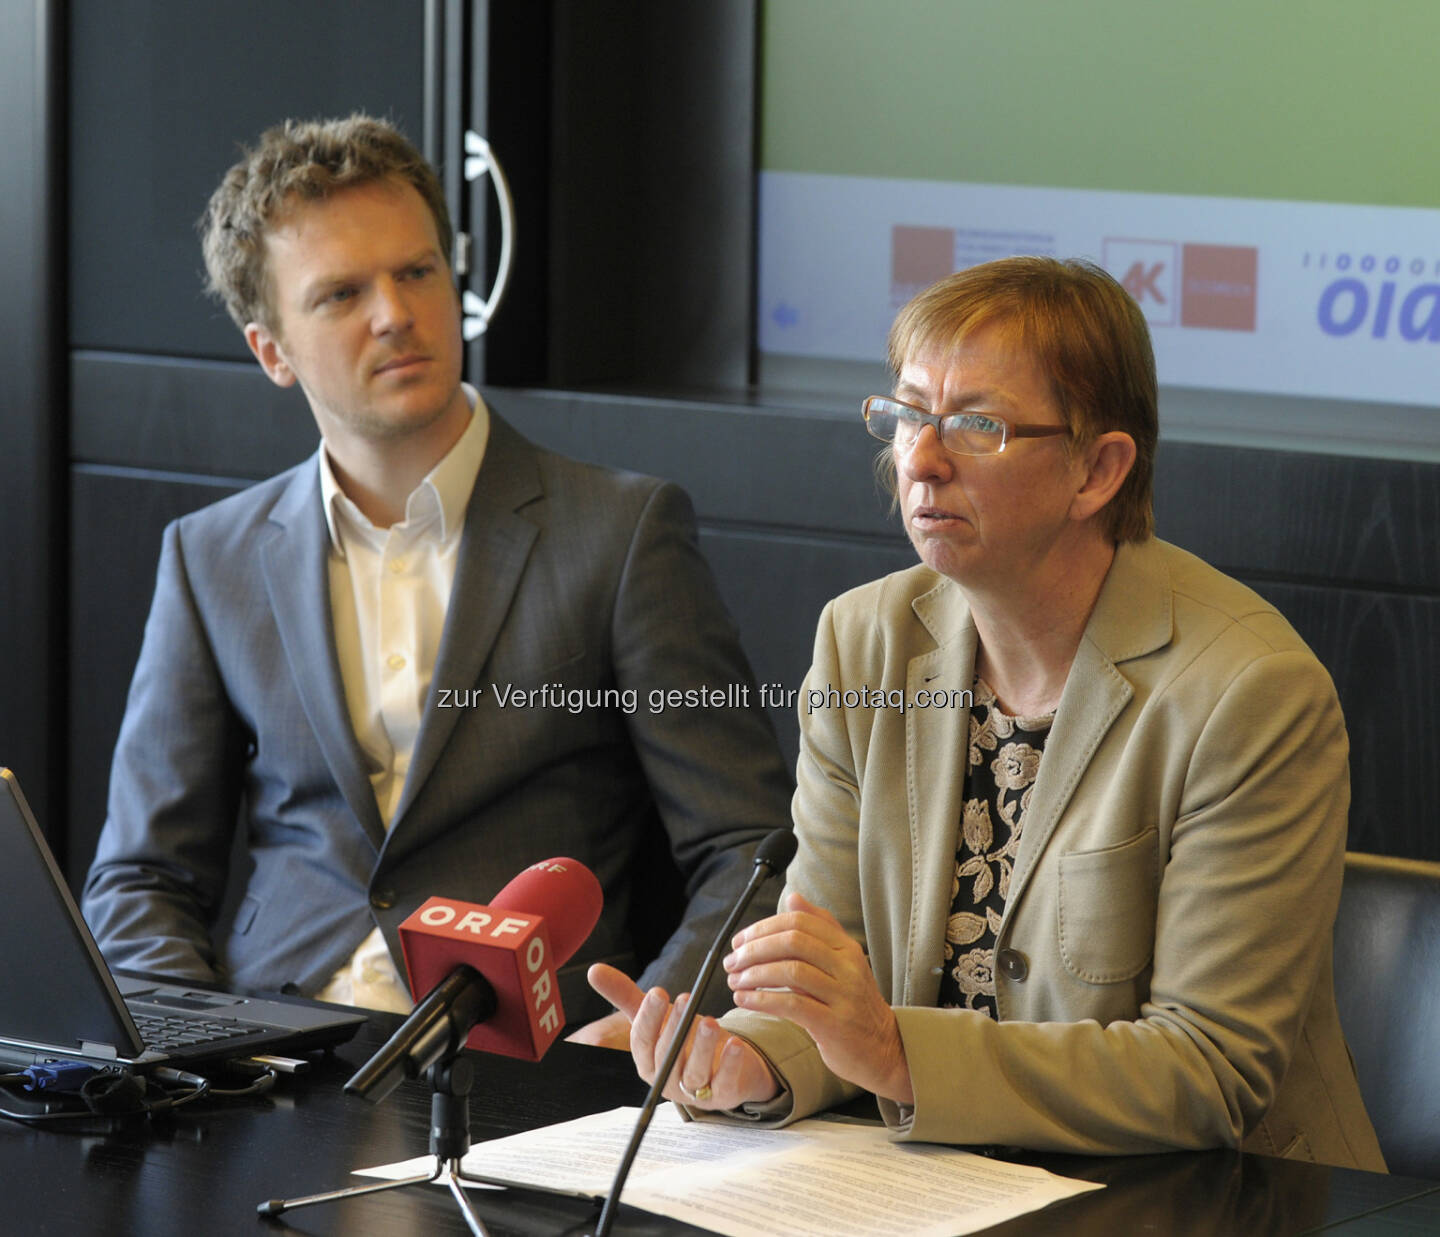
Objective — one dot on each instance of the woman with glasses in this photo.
(1084, 902)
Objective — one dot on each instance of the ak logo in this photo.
(1143, 281)
(1149, 271)
(1210, 286)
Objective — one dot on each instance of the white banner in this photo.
(1294, 298)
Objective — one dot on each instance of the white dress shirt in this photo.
(389, 593)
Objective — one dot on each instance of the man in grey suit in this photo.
(424, 659)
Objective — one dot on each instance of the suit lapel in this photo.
(937, 748)
(1133, 616)
(295, 562)
(493, 551)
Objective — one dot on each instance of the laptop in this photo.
(59, 1000)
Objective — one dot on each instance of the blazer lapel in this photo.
(495, 547)
(295, 562)
(1133, 616)
(937, 745)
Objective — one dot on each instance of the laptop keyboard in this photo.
(171, 1031)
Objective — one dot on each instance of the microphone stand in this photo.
(432, 1041)
(771, 857)
(450, 1081)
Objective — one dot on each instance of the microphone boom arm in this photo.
(771, 857)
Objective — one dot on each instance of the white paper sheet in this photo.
(815, 1178)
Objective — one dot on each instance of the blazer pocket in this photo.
(245, 914)
(1107, 909)
(560, 667)
(508, 681)
(1298, 1148)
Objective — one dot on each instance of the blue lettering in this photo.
(1410, 325)
(1345, 305)
(1382, 310)
(1361, 304)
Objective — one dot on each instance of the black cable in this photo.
(265, 1082)
(37, 1118)
(108, 1094)
(172, 1101)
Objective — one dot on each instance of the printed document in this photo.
(815, 1178)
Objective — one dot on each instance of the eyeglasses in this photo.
(964, 433)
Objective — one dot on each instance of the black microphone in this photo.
(772, 857)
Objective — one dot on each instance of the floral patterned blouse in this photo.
(1004, 759)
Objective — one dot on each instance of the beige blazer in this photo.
(1164, 962)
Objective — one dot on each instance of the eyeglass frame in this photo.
(1008, 429)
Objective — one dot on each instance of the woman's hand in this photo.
(802, 965)
(716, 1070)
(611, 1031)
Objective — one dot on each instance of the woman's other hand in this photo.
(716, 1070)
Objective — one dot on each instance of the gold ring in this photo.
(698, 1096)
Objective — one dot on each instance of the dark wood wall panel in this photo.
(117, 517)
(162, 94)
(1383, 651)
(32, 423)
(775, 585)
(785, 467)
(165, 413)
(1303, 516)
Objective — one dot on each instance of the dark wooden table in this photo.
(203, 1172)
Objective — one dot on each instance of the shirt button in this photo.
(1012, 964)
(397, 565)
(382, 899)
(395, 662)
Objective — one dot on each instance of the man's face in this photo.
(366, 318)
(985, 521)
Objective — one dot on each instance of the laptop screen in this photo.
(54, 988)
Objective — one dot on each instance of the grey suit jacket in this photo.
(569, 575)
(1163, 971)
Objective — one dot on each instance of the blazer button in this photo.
(1011, 964)
(382, 899)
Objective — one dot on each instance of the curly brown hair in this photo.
(308, 160)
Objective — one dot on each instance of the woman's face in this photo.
(995, 520)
